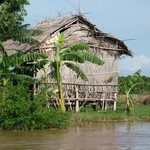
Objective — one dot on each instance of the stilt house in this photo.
(102, 84)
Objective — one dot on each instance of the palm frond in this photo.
(28, 40)
(21, 69)
(4, 64)
(77, 70)
(13, 59)
(38, 65)
(72, 56)
(76, 47)
(23, 27)
(53, 68)
(20, 58)
(14, 76)
(91, 58)
(31, 57)
(23, 77)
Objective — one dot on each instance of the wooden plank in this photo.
(83, 84)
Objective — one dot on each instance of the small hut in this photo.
(102, 85)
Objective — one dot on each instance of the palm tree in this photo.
(76, 53)
(13, 66)
(12, 28)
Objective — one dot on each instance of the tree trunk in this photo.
(61, 97)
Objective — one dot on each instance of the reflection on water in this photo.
(134, 136)
(103, 136)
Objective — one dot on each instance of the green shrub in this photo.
(18, 111)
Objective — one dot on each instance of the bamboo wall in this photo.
(106, 74)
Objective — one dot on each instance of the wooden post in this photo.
(114, 106)
(106, 104)
(76, 99)
(103, 100)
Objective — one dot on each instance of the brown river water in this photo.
(102, 136)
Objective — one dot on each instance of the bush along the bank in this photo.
(19, 111)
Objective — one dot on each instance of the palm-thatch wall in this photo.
(77, 29)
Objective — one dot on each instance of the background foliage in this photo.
(142, 88)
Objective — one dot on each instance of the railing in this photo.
(78, 95)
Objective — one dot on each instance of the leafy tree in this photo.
(12, 14)
(67, 57)
(143, 88)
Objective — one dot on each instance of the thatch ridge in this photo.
(48, 27)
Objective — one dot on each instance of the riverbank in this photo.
(20, 114)
(140, 113)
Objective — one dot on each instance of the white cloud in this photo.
(127, 66)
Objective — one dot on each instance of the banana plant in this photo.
(67, 57)
(133, 81)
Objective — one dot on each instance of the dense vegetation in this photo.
(142, 88)
(19, 107)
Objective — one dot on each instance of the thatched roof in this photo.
(50, 26)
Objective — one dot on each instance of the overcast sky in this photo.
(128, 20)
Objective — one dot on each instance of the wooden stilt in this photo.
(103, 101)
(114, 106)
(106, 104)
(78, 95)
(77, 100)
